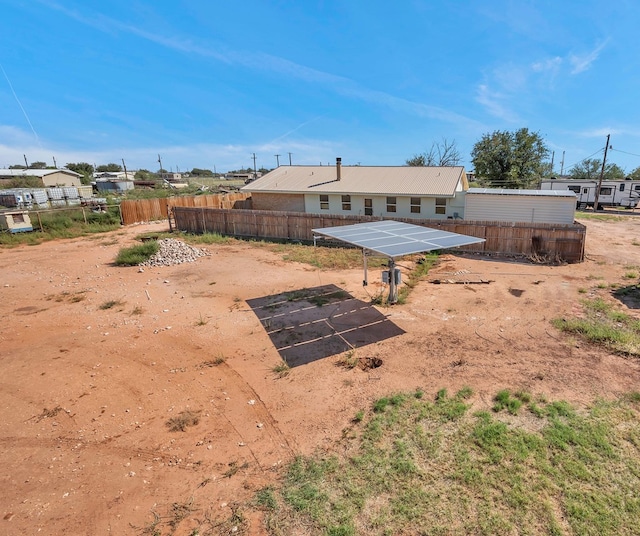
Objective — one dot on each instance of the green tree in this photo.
(17, 166)
(38, 165)
(84, 169)
(590, 168)
(110, 168)
(144, 175)
(197, 172)
(443, 153)
(635, 174)
(510, 159)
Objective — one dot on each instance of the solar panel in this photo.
(395, 239)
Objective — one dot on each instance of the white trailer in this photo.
(613, 193)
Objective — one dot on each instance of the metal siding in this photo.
(519, 208)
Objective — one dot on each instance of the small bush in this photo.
(183, 420)
(135, 255)
(110, 304)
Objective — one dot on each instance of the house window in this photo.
(368, 207)
(415, 205)
(585, 190)
(575, 189)
(391, 204)
(346, 202)
(622, 187)
(324, 202)
(441, 206)
(606, 191)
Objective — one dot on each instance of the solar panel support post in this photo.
(393, 287)
(365, 281)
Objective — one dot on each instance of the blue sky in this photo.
(208, 83)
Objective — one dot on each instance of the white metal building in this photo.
(528, 206)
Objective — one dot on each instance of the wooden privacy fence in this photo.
(553, 240)
(141, 210)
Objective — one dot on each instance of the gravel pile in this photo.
(172, 251)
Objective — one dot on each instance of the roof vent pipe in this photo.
(338, 168)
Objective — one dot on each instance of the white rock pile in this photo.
(172, 251)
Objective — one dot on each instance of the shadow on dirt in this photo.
(313, 323)
(630, 296)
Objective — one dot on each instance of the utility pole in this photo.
(290, 158)
(124, 166)
(553, 155)
(277, 160)
(562, 165)
(161, 168)
(25, 161)
(255, 170)
(604, 161)
(55, 165)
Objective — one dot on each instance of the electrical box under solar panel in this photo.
(397, 279)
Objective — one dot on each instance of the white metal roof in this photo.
(34, 172)
(537, 193)
(396, 239)
(381, 180)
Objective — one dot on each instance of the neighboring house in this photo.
(49, 177)
(390, 192)
(526, 206)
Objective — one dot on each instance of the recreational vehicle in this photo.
(613, 193)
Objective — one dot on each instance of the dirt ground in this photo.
(86, 390)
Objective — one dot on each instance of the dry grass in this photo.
(183, 420)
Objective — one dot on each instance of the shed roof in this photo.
(35, 172)
(381, 180)
(537, 193)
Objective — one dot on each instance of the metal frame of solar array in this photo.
(394, 239)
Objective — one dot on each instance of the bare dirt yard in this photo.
(96, 360)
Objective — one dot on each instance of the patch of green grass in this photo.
(134, 255)
(348, 360)
(417, 274)
(630, 275)
(409, 467)
(266, 498)
(598, 216)
(603, 324)
(64, 223)
(282, 369)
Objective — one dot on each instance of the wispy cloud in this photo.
(495, 103)
(549, 65)
(583, 62)
(266, 62)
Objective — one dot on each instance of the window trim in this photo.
(441, 205)
(392, 204)
(346, 202)
(415, 205)
(324, 202)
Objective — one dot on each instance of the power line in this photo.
(585, 158)
(625, 152)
